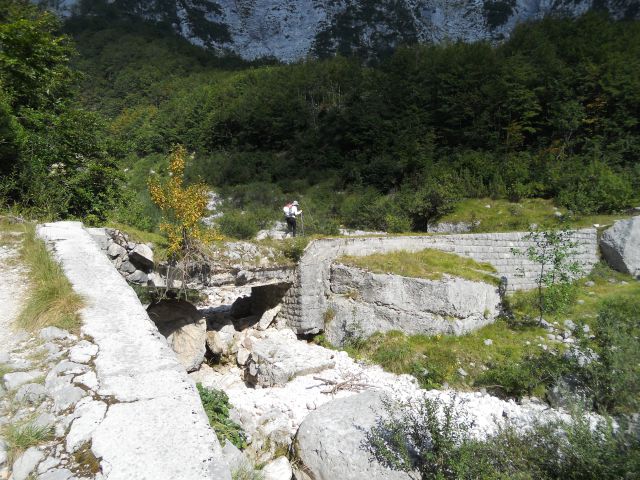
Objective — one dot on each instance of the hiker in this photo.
(290, 212)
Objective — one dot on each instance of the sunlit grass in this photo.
(435, 360)
(429, 264)
(607, 283)
(51, 300)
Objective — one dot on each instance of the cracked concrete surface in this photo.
(155, 427)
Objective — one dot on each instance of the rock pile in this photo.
(133, 260)
(52, 387)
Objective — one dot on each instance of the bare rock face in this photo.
(620, 246)
(184, 328)
(364, 303)
(279, 356)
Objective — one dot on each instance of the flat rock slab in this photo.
(279, 356)
(26, 463)
(148, 429)
(16, 379)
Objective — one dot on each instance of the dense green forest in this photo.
(393, 144)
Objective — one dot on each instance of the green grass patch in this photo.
(51, 300)
(436, 360)
(21, 436)
(607, 284)
(4, 369)
(429, 263)
(489, 215)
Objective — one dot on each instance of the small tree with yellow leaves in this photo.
(182, 207)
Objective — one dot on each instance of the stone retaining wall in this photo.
(154, 427)
(306, 302)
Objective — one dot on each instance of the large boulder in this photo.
(363, 303)
(620, 246)
(278, 357)
(184, 328)
(330, 441)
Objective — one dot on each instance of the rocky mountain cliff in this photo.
(292, 29)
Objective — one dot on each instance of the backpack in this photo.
(288, 210)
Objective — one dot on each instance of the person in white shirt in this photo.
(291, 211)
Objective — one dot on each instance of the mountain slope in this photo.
(293, 29)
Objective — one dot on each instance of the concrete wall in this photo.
(155, 427)
(306, 302)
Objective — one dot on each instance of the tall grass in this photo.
(51, 301)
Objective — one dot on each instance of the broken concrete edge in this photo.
(155, 426)
(307, 300)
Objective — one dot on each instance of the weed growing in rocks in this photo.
(21, 436)
(244, 472)
(216, 405)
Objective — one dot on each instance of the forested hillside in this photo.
(551, 113)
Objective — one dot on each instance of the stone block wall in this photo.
(305, 303)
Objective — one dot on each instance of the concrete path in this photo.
(155, 427)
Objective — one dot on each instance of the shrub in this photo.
(216, 406)
(293, 248)
(237, 224)
(182, 207)
(553, 252)
(529, 375)
(431, 438)
(423, 436)
(614, 379)
(596, 189)
(436, 198)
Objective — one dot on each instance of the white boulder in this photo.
(26, 463)
(330, 441)
(620, 246)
